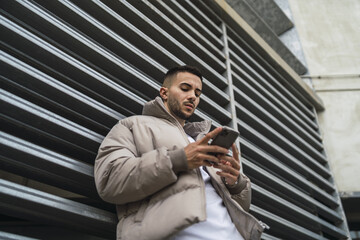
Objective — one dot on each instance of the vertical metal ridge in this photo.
(283, 142)
(309, 127)
(282, 129)
(269, 73)
(299, 111)
(255, 96)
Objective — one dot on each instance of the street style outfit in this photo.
(141, 167)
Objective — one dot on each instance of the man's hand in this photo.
(230, 166)
(198, 152)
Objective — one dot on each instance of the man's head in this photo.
(181, 91)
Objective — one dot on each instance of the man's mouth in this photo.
(189, 106)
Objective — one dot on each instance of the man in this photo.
(156, 169)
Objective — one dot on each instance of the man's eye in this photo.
(185, 89)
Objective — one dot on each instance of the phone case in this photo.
(225, 138)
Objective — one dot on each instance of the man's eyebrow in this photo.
(184, 83)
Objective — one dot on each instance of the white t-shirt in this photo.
(218, 224)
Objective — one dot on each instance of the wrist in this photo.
(179, 160)
(231, 185)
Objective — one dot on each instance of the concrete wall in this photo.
(329, 31)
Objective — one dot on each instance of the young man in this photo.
(154, 168)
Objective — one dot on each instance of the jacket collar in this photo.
(156, 108)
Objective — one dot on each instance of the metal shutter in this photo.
(71, 69)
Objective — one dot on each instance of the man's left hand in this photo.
(230, 166)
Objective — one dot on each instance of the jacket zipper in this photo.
(202, 184)
(198, 173)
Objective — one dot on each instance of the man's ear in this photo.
(164, 93)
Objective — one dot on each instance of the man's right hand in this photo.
(198, 152)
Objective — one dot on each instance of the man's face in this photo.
(183, 96)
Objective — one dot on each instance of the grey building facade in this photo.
(70, 70)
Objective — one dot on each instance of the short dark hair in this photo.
(171, 73)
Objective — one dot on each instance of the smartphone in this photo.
(225, 138)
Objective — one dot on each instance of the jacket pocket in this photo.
(141, 212)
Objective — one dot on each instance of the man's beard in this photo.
(175, 108)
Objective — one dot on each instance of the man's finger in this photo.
(210, 135)
(208, 157)
(230, 179)
(232, 161)
(235, 152)
(228, 169)
(213, 149)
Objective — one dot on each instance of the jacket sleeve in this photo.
(241, 192)
(122, 177)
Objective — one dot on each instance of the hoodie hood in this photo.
(156, 108)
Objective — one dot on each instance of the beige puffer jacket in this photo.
(142, 168)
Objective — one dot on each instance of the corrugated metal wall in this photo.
(71, 69)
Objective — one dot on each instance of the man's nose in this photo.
(192, 96)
